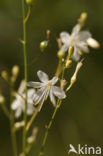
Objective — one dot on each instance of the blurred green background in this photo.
(80, 119)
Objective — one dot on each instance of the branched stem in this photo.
(25, 75)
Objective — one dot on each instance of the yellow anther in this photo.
(49, 84)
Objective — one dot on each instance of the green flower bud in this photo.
(43, 45)
(5, 75)
(30, 2)
(60, 54)
(15, 70)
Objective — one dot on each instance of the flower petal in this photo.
(52, 98)
(76, 54)
(42, 76)
(18, 112)
(58, 92)
(82, 46)
(76, 30)
(65, 47)
(35, 84)
(64, 36)
(84, 35)
(54, 80)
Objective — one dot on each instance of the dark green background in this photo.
(80, 119)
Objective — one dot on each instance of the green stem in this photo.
(59, 68)
(5, 110)
(25, 75)
(13, 134)
(48, 128)
(33, 118)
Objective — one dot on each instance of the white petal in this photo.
(84, 35)
(64, 36)
(30, 109)
(52, 98)
(54, 80)
(31, 92)
(58, 92)
(18, 112)
(76, 30)
(65, 47)
(82, 46)
(42, 76)
(93, 43)
(35, 84)
(14, 105)
(76, 55)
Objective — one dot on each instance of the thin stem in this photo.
(59, 68)
(33, 118)
(25, 75)
(48, 128)
(5, 110)
(13, 135)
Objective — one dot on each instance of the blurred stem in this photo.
(25, 75)
(59, 68)
(5, 110)
(13, 135)
(48, 127)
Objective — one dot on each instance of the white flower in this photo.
(77, 39)
(46, 88)
(18, 104)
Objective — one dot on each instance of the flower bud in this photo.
(74, 77)
(15, 70)
(48, 32)
(82, 18)
(70, 52)
(4, 75)
(30, 2)
(63, 83)
(68, 63)
(93, 43)
(43, 45)
(19, 125)
(2, 99)
(59, 41)
(60, 54)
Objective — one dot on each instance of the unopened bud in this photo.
(43, 45)
(68, 63)
(93, 43)
(4, 75)
(2, 99)
(74, 77)
(59, 41)
(60, 54)
(30, 2)
(63, 83)
(48, 32)
(15, 70)
(82, 18)
(70, 51)
(19, 125)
